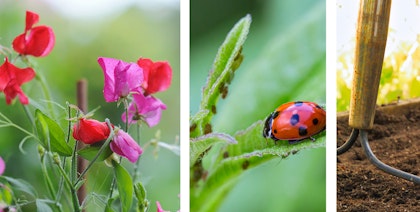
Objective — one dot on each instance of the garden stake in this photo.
(371, 35)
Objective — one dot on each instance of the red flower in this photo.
(157, 75)
(90, 131)
(37, 41)
(11, 78)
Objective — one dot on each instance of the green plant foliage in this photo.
(125, 186)
(226, 62)
(42, 206)
(89, 153)
(199, 145)
(218, 159)
(50, 134)
(21, 185)
(141, 195)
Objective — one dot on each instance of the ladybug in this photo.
(295, 121)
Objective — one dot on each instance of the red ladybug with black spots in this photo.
(295, 121)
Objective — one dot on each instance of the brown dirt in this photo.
(395, 140)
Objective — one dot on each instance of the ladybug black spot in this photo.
(315, 121)
(294, 119)
(275, 131)
(303, 131)
(298, 103)
(317, 106)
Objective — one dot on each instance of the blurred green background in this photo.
(85, 31)
(284, 60)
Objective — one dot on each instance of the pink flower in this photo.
(11, 78)
(157, 75)
(90, 131)
(159, 207)
(37, 41)
(125, 146)
(2, 166)
(147, 108)
(121, 78)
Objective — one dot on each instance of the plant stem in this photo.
(28, 114)
(75, 198)
(108, 140)
(10, 123)
(136, 165)
(50, 186)
(47, 94)
(126, 115)
(60, 187)
(73, 168)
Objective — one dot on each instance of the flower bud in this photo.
(90, 131)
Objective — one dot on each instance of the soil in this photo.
(395, 140)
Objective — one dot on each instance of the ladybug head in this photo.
(267, 126)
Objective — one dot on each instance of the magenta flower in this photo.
(159, 207)
(125, 146)
(2, 166)
(146, 108)
(121, 78)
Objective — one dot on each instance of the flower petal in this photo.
(36, 41)
(40, 41)
(31, 19)
(158, 75)
(125, 146)
(2, 166)
(121, 78)
(11, 78)
(90, 131)
(147, 108)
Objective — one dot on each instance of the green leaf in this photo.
(228, 59)
(291, 66)
(198, 146)
(20, 185)
(89, 152)
(125, 186)
(50, 135)
(6, 195)
(108, 207)
(252, 149)
(42, 206)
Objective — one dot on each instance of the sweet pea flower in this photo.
(124, 145)
(121, 78)
(36, 41)
(11, 78)
(157, 75)
(90, 131)
(159, 207)
(2, 166)
(147, 108)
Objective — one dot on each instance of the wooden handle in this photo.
(371, 35)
